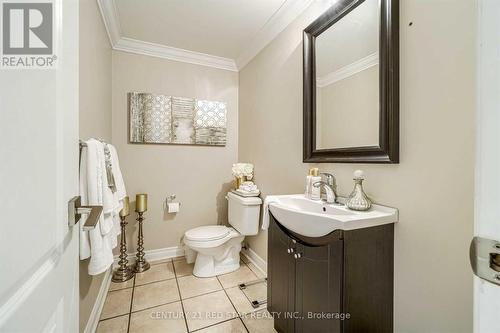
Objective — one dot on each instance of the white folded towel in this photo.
(265, 215)
(92, 173)
(248, 187)
(247, 193)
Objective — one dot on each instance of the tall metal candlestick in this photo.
(141, 265)
(123, 272)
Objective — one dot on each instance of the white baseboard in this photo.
(156, 254)
(254, 258)
(99, 303)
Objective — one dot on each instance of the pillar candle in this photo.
(141, 202)
(126, 207)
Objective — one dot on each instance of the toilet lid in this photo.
(207, 233)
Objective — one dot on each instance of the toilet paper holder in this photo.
(170, 198)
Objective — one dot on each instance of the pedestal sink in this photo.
(315, 218)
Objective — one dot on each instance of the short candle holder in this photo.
(141, 265)
(123, 272)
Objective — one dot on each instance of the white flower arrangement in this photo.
(243, 170)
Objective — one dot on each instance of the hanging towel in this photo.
(107, 198)
(92, 174)
(120, 192)
(265, 215)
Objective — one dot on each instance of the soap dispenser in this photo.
(358, 200)
(308, 184)
(315, 191)
(310, 179)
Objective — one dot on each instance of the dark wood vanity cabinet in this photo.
(341, 282)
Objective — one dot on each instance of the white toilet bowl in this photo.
(215, 249)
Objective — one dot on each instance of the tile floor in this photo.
(169, 298)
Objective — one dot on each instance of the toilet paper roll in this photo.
(173, 207)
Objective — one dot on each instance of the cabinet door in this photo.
(281, 279)
(319, 287)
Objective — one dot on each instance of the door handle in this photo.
(75, 211)
(485, 259)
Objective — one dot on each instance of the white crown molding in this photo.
(276, 24)
(288, 12)
(119, 43)
(93, 321)
(130, 45)
(349, 70)
(111, 20)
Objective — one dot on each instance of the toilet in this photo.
(215, 249)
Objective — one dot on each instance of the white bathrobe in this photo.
(94, 190)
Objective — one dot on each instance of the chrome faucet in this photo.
(331, 196)
(331, 181)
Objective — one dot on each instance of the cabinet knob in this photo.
(290, 250)
(297, 255)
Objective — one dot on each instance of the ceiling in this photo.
(217, 27)
(218, 33)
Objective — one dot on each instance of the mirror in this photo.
(351, 84)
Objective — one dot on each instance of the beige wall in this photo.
(95, 115)
(198, 175)
(433, 184)
(95, 74)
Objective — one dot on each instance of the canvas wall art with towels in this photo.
(163, 119)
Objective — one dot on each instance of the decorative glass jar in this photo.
(358, 200)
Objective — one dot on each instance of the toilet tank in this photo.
(244, 213)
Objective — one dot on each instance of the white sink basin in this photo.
(315, 218)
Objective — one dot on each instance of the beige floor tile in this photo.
(165, 318)
(113, 325)
(159, 272)
(121, 285)
(206, 310)
(232, 326)
(182, 268)
(193, 286)
(154, 294)
(257, 271)
(259, 322)
(244, 274)
(241, 302)
(117, 303)
(179, 258)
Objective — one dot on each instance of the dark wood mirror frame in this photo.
(388, 149)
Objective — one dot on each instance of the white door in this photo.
(487, 206)
(38, 174)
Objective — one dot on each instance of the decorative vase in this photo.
(358, 200)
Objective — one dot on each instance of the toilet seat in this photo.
(207, 233)
(209, 236)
